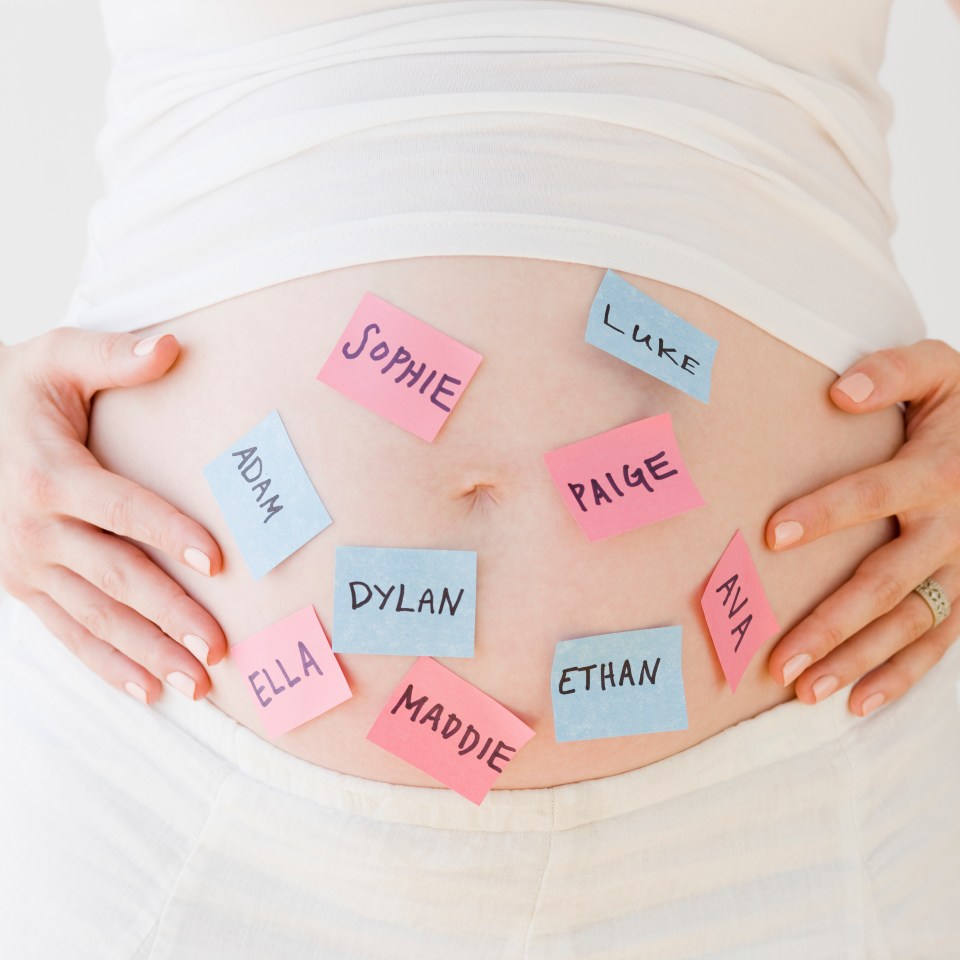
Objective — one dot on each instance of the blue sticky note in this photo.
(618, 684)
(633, 327)
(266, 496)
(418, 603)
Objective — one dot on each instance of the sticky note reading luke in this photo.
(449, 729)
(625, 478)
(618, 684)
(266, 496)
(408, 602)
(737, 610)
(633, 327)
(291, 672)
(400, 367)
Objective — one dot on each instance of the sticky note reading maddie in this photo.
(618, 684)
(400, 367)
(633, 327)
(449, 729)
(404, 601)
(291, 672)
(737, 610)
(266, 496)
(625, 478)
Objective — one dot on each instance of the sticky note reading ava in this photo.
(738, 613)
(404, 601)
(633, 327)
(449, 729)
(400, 367)
(291, 672)
(625, 478)
(618, 684)
(266, 496)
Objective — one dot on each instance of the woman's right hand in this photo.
(63, 519)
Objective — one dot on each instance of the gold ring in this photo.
(936, 599)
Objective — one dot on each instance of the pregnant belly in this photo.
(767, 435)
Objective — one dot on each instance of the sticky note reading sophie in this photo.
(625, 478)
(399, 367)
(738, 613)
(633, 327)
(618, 684)
(449, 729)
(291, 672)
(266, 496)
(404, 601)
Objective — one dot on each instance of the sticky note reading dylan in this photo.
(400, 367)
(737, 610)
(402, 601)
(625, 478)
(633, 327)
(449, 729)
(266, 496)
(291, 672)
(618, 684)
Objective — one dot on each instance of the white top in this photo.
(732, 149)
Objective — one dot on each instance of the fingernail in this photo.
(872, 702)
(858, 386)
(795, 666)
(824, 687)
(198, 560)
(142, 347)
(786, 532)
(183, 683)
(135, 691)
(197, 646)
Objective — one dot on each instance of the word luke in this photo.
(631, 478)
(249, 463)
(661, 350)
(306, 663)
(426, 598)
(608, 676)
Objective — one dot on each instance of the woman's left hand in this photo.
(875, 628)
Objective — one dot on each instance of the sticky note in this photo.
(618, 684)
(625, 478)
(266, 496)
(738, 613)
(291, 672)
(449, 729)
(399, 367)
(633, 327)
(405, 601)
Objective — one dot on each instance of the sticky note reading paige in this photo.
(266, 496)
(618, 684)
(449, 729)
(625, 478)
(633, 327)
(291, 672)
(408, 602)
(400, 367)
(737, 610)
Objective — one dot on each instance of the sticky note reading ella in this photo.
(625, 478)
(627, 323)
(400, 367)
(408, 602)
(449, 729)
(291, 672)
(266, 496)
(737, 610)
(618, 684)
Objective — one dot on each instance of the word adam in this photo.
(251, 469)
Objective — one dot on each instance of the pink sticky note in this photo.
(449, 729)
(400, 367)
(737, 610)
(291, 672)
(624, 478)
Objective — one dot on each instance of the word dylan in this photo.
(306, 663)
(426, 598)
(662, 350)
(401, 356)
(608, 676)
(631, 478)
(249, 463)
(735, 607)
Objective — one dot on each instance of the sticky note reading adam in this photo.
(449, 729)
(409, 602)
(625, 478)
(618, 684)
(400, 367)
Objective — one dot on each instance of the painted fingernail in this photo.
(858, 386)
(795, 666)
(183, 683)
(786, 532)
(198, 560)
(872, 702)
(135, 691)
(142, 347)
(824, 687)
(197, 646)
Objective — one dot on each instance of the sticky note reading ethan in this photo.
(266, 496)
(625, 478)
(291, 672)
(737, 610)
(400, 367)
(633, 327)
(408, 602)
(618, 684)
(449, 729)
